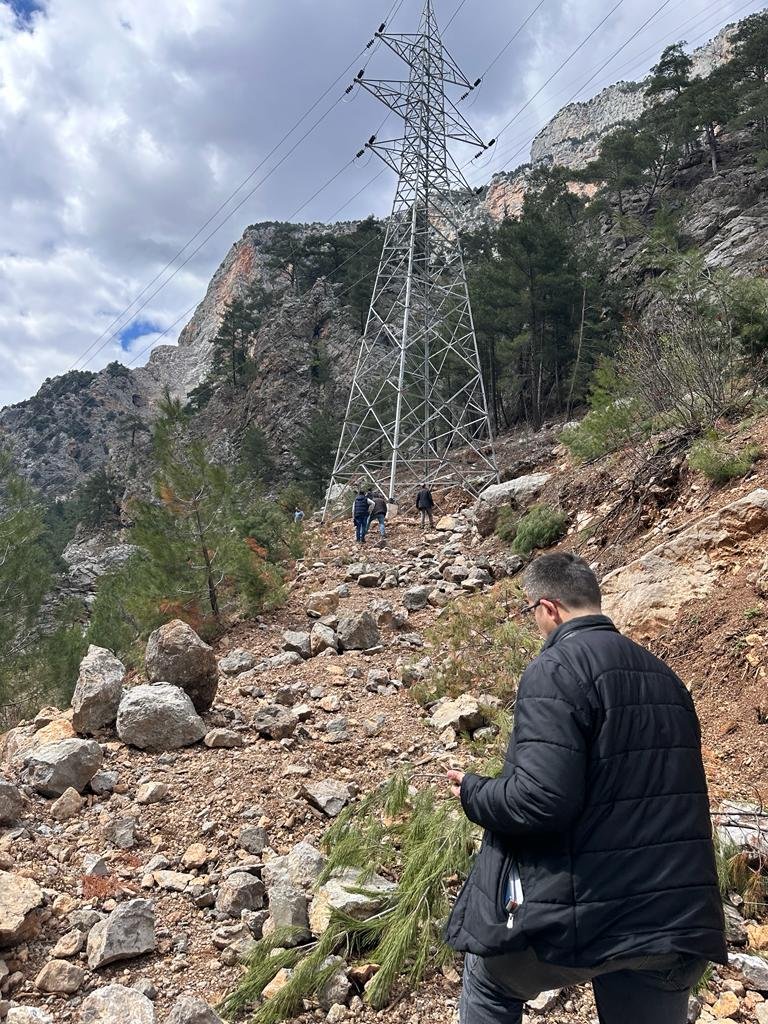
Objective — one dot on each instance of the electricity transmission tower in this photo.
(417, 410)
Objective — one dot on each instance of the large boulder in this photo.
(18, 742)
(98, 691)
(116, 1004)
(645, 596)
(28, 1015)
(518, 493)
(358, 631)
(20, 900)
(176, 655)
(296, 641)
(159, 717)
(128, 932)
(57, 767)
(238, 892)
(464, 714)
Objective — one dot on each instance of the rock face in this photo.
(177, 655)
(56, 767)
(572, 138)
(160, 717)
(20, 899)
(128, 932)
(116, 1004)
(98, 691)
(645, 596)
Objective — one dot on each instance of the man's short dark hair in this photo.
(562, 577)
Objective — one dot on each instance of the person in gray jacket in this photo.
(597, 861)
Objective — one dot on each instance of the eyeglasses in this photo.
(528, 609)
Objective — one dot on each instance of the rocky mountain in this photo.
(82, 421)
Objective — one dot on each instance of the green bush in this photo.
(719, 463)
(540, 528)
(603, 430)
(506, 524)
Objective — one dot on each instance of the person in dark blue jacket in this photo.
(361, 510)
(597, 861)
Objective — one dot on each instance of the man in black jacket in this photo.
(597, 860)
(425, 503)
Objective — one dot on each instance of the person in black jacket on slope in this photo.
(597, 862)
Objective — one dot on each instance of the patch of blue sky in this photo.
(136, 329)
(24, 9)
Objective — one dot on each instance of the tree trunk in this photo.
(712, 142)
(213, 597)
(569, 405)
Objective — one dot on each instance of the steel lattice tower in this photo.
(418, 396)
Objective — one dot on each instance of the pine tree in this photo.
(241, 320)
(750, 65)
(672, 74)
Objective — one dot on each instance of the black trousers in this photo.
(646, 990)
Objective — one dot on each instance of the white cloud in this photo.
(124, 124)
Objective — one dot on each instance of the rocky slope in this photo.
(154, 830)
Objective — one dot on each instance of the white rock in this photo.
(98, 691)
(116, 1004)
(159, 717)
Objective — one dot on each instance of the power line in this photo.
(451, 19)
(371, 46)
(507, 45)
(633, 63)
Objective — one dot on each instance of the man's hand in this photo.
(455, 779)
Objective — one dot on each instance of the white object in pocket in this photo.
(513, 894)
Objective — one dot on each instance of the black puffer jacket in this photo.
(603, 805)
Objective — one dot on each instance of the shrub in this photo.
(540, 528)
(478, 639)
(603, 430)
(506, 524)
(713, 457)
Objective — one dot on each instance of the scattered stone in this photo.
(274, 722)
(152, 793)
(116, 1004)
(758, 936)
(68, 805)
(464, 714)
(240, 891)
(27, 1015)
(176, 655)
(753, 968)
(97, 691)
(128, 932)
(416, 598)
(358, 632)
(191, 1010)
(237, 662)
(11, 803)
(125, 832)
(330, 703)
(277, 984)
(322, 602)
(544, 1001)
(146, 987)
(103, 783)
(60, 977)
(19, 900)
(446, 524)
(288, 909)
(338, 894)
(369, 579)
(297, 641)
(726, 1005)
(322, 638)
(226, 739)
(338, 988)
(285, 660)
(172, 881)
(69, 945)
(253, 839)
(158, 717)
(57, 767)
(330, 796)
(195, 856)
(735, 929)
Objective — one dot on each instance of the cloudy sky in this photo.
(125, 124)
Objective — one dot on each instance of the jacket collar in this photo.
(583, 622)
